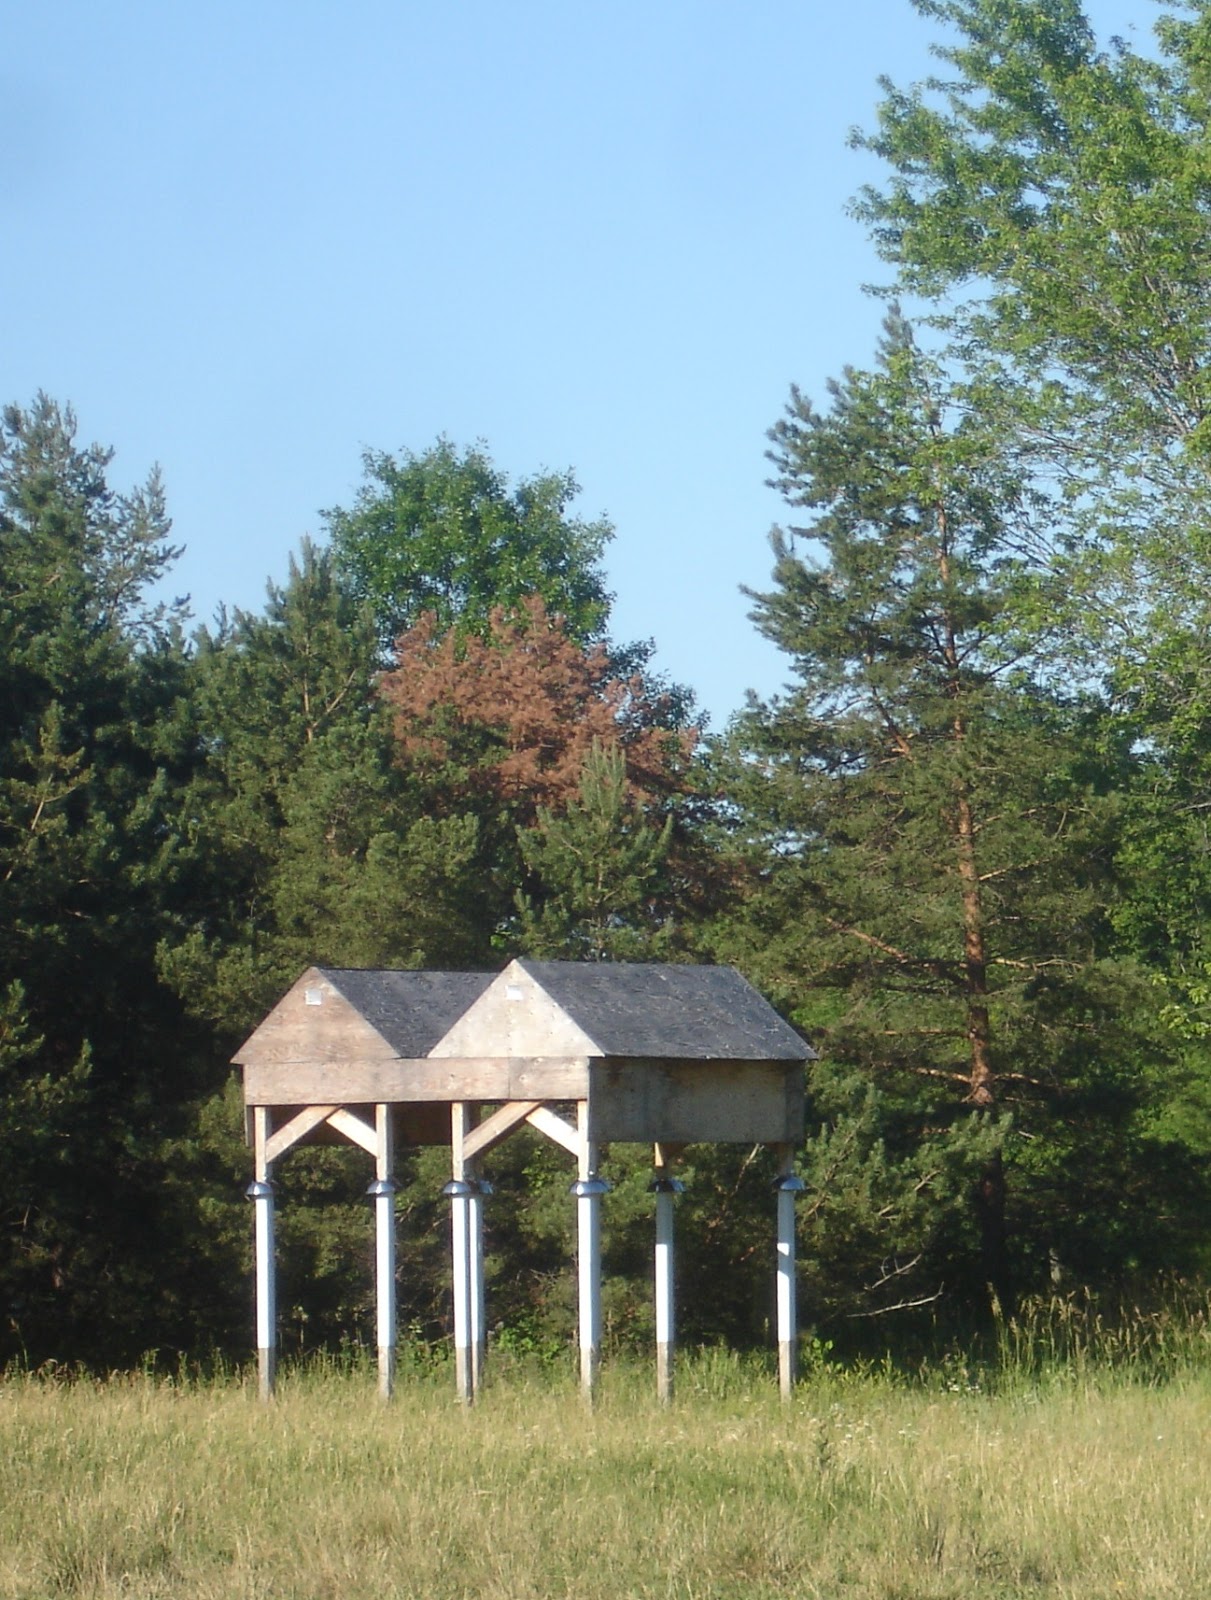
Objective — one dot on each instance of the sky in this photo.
(247, 241)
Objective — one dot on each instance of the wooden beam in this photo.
(297, 1128)
(555, 1127)
(498, 1126)
(354, 1080)
(355, 1128)
(664, 1154)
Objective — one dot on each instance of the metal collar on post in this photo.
(259, 1189)
(458, 1189)
(380, 1188)
(584, 1187)
(789, 1182)
(666, 1186)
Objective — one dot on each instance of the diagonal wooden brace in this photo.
(556, 1127)
(498, 1126)
(297, 1128)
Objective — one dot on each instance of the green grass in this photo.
(1070, 1480)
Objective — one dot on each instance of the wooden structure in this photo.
(665, 1055)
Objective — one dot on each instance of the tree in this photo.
(1066, 189)
(311, 845)
(1051, 204)
(598, 879)
(500, 728)
(319, 846)
(443, 534)
(94, 1052)
(930, 833)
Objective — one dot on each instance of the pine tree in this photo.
(92, 862)
(930, 839)
(597, 872)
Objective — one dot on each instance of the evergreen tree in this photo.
(1050, 202)
(319, 846)
(931, 844)
(92, 864)
(598, 873)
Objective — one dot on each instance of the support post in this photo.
(787, 1185)
(480, 1189)
(666, 1190)
(260, 1192)
(382, 1192)
(459, 1192)
(588, 1190)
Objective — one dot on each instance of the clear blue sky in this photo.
(247, 240)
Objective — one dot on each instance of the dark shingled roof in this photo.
(412, 1010)
(679, 1012)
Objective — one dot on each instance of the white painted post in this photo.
(260, 1192)
(666, 1190)
(588, 1190)
(479, 1329)
(382, 1191)
(459, 1192)
(788, 1184)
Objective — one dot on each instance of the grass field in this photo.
(1071, 1481)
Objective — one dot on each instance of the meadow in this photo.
(1048, 1472)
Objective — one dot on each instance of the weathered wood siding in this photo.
(696, 1102)
(313, 1022)
(515, 1017)
(352, 1080)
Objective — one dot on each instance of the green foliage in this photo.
(443, 532)
(317, 847)
(597, 891)
(1064, 191)
(96, 1060)
(930, 835)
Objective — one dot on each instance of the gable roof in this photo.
(411, 1010)
(667, 1010)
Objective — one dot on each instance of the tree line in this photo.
(965, 850)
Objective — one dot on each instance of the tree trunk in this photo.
(990, 1189)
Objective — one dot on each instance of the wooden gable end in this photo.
(515, 1017)
(313, 1024)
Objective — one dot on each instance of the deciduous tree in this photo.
(443, 534)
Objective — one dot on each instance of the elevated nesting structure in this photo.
(666, 1055)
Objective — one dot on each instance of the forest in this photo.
(966, 851)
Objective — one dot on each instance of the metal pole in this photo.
(260, 1192)
(382, 1192)
(588, 1192)
(788, 1184)
(479, 1330)
(666, 1190)
(459, 1191)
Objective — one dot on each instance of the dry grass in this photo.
(863, 1487)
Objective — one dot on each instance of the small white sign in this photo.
(313, 997)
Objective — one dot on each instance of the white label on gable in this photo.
(513, 991)
(313, 997)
